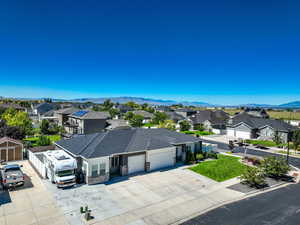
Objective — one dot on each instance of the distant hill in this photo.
(139, 101)
(295, 104)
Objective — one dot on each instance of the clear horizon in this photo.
(219, 52)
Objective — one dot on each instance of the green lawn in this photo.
(200, 133)
(262, 142)
(33, 140)
(221, 169)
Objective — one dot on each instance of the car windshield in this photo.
(12, 169)
(65, 173)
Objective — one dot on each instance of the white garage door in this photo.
(136, 163)
(230, 132)
(161, 159)
(243, 134)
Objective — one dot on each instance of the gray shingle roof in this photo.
(175, 116)
(143, 113)
(92, 115)
(215, 117)
(44, 107)
(258, 123)
(67, 110)
(122, 141)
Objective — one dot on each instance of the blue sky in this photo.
(224, 52)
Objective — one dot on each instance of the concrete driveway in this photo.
(162, 197)
(32, 204)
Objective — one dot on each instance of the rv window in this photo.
(102, 169)
(65, 173)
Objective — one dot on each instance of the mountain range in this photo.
(150, 101)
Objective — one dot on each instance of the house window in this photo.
(102, 169)
(95, 170)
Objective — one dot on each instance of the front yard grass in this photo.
(197, 132)
(221, 169)
(262, 142)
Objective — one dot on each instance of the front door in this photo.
(3, 155)
(115, 165)
(178, 153)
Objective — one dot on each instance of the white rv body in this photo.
(60, 168)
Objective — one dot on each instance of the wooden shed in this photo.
(10, 149)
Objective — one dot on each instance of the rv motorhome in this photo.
(60, 168)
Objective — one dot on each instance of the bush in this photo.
(254, 177)
(275, 167)
(212, 155)
(43, 141)
(199, 156)
(190, 157)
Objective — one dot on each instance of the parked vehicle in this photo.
(12, 176)
(60, 168)
(261, 147)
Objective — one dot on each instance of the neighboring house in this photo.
(12, 105)
(86, 122)
(186, 112)
(10, 149)
(257, 112)
(175, 117)
(147, 116)
(214, 121)
(62, 115)
(42, 108)
(245, 126)
(162, 108)
(293, 122)
(127, 151)
(50, 116)
(123, 108)
(117, 124)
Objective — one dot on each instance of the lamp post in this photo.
(288, 147)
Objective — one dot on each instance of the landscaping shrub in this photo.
(199, 156)
(212, 155)
(254, 177)
(190, 157)
(43, 141)
(275, 167)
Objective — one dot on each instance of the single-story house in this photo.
(10, 149)
(126, 151)
(245, 126)
(42, 108)
(147, 116)
(175, 116)
(214, 121)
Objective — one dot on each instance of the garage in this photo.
(162, 158)
(136, 163)
(10, 149)
(230, 132)
(243, 134)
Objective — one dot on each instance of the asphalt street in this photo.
(278, 207)
(222, 146)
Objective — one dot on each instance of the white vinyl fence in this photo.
(36, 160)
